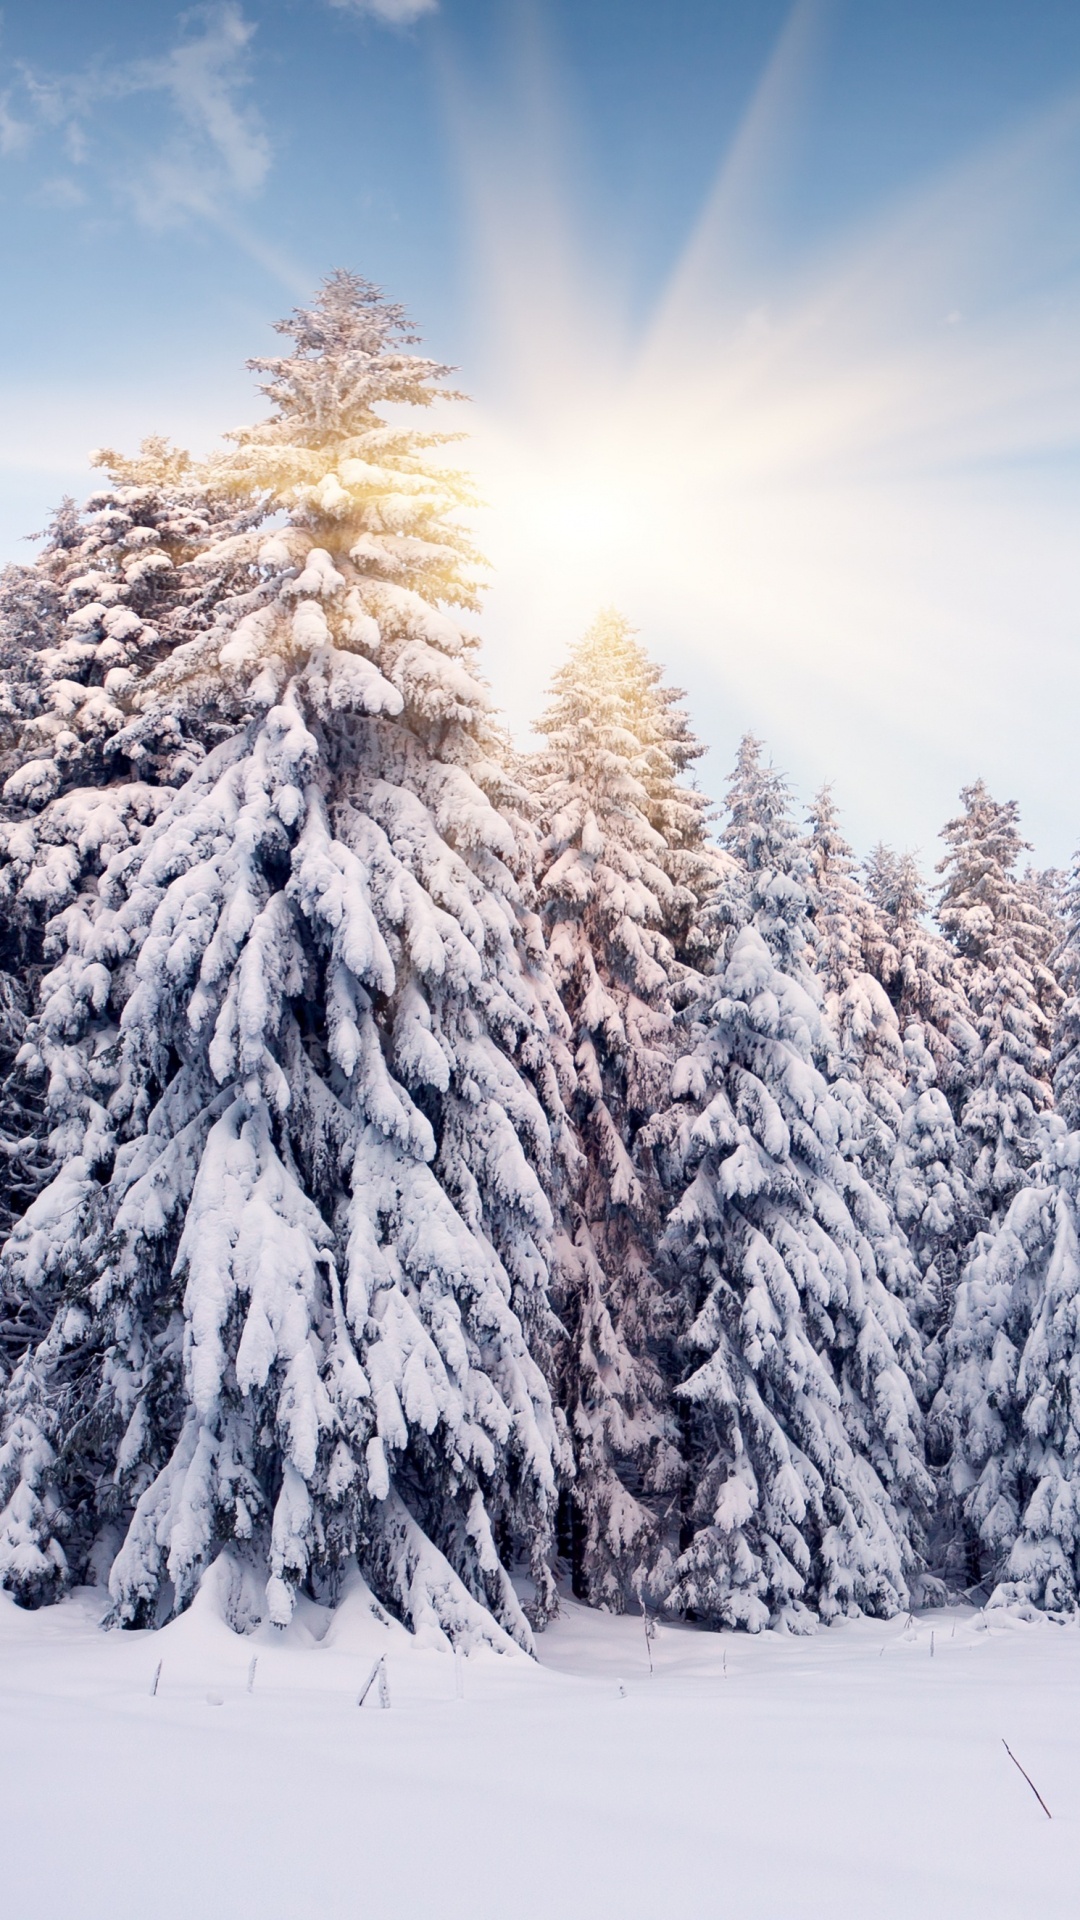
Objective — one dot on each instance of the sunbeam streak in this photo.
(838, 492)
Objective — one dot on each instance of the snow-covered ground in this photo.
(852, 1773)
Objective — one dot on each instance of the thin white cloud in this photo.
(396, 13)
(213, 149)
(62, 191)
(205, 76)
(14, 133)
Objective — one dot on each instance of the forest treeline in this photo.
(473, 1164)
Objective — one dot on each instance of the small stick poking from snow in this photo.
(931, 1646)
(1028, 1778)
(648, 1636)
(251, 1673)
(156, 1678)
(378, 1672)
(368, 1684)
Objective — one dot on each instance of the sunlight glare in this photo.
(838, 496)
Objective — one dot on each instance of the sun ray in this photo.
(837, 490)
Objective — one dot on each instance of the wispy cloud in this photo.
(14, 133)
(211, 151)
(396, 13)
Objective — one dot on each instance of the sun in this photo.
(834, 496)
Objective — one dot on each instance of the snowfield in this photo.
(853, 1773)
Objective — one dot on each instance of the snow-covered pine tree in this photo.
(769, 873)
(772, 883)
(300, 1061)
(922, 974)
(83, 771)
(24, 1159)
(848, 937)
(907, 1141)
(997, 922)
(116, 586)
(929, 1185)
(29, 618)
(804, 1430)
(623, 872)
(928, 1179)
(1016, 1286)
(1065, 1055)
(680, 813)
(1010, 1399)
(1011, 1394)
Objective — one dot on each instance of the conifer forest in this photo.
(492, 1167)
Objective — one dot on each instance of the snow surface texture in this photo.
(850, 1774)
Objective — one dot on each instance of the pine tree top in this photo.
(618, 737)
(769, 881)
(830, 852)
(157, 465)
(980, 893)
(347, 362)
(114, 589)
(760, 831)
(1065, 1058)
(997, 920)
(360, 483)
(848, 926)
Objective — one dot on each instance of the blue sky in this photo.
(770, 320)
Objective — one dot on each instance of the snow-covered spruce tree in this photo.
(929, 1177)
(804, 1431)
(998, 923)
(1011, 1394)
(30, 615)
(117, 585)
(1010, 1399)
(82, 770)
(680, 813)
(24, 1164)
(1002, 927)
(929, 1185)
(848, 936)
(623, 870)
(769, 873)
(926, 980)
(772, 884)
(299, 1053)
(1065, 1055)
